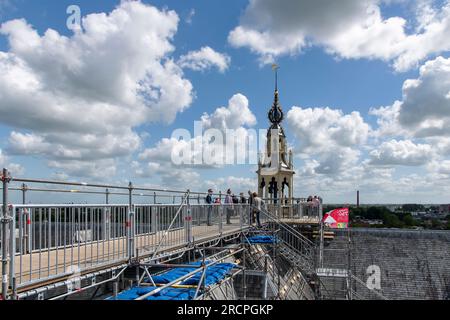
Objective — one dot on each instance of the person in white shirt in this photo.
(258, 204)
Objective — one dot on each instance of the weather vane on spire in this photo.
(275, 68)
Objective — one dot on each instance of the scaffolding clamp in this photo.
(6, 179)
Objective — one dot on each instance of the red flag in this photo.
(336, 219)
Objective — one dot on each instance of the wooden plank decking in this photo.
(29, 268)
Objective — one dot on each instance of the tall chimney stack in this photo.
(357, 199)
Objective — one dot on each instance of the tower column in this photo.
(277, 165)
(291, 191)
(260, 190)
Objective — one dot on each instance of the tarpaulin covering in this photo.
(262, 239)
(213, 275)
(165, 294)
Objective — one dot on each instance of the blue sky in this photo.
(323, 70)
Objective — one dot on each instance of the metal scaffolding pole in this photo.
(130, 222)
(5, 226)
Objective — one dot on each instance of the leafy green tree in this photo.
(436, 223)
(413, 207)
(409, 220)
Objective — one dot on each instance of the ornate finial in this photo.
(276, 113)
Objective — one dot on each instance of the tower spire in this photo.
(276, 113)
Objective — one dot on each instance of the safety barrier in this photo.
(56, 240)
(293, 240)
(53, 241)
(307, 211)
(41, 243)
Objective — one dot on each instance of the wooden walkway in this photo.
(56, 263)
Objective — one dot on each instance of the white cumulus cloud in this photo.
(236, 115)
(330, 137)
(14, 168)
(204, 59)
(405, 153)
(424, 111)
(80, 97)
(349, 29)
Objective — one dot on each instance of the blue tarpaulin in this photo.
(165, 294)
(213, 275)
(262, 239)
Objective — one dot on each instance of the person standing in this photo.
(258, 204)
(316, 205)
(243, 200)
(209, 201)
(229, 205)
(251, 213)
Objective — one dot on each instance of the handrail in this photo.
(94, 185)
(285, 225)
(171, 224)
(321, 284)
(307, 248)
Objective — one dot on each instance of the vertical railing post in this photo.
(27, 221)
(244, 280)
(249, 213)
(221, 218)
(320, 212)
(24, 191)
(321, 245)
(5, 178)
(107, 213)
(188, 219)
(130, 222)
(301, 209)
(154, 197)
(241, 215)
(12, 246)
(106, 218)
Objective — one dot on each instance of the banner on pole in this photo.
(337, 219)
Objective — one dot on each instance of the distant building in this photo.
(375, 222)
(444, 209)
(393, 207)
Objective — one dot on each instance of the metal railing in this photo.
(307, 211)
(57, 240)
(293, 239)
(43, 242)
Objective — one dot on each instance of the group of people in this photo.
(313, 204)
(255, 202)
(315, 201)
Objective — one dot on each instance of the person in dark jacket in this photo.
(229, 206)
(209, 201)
